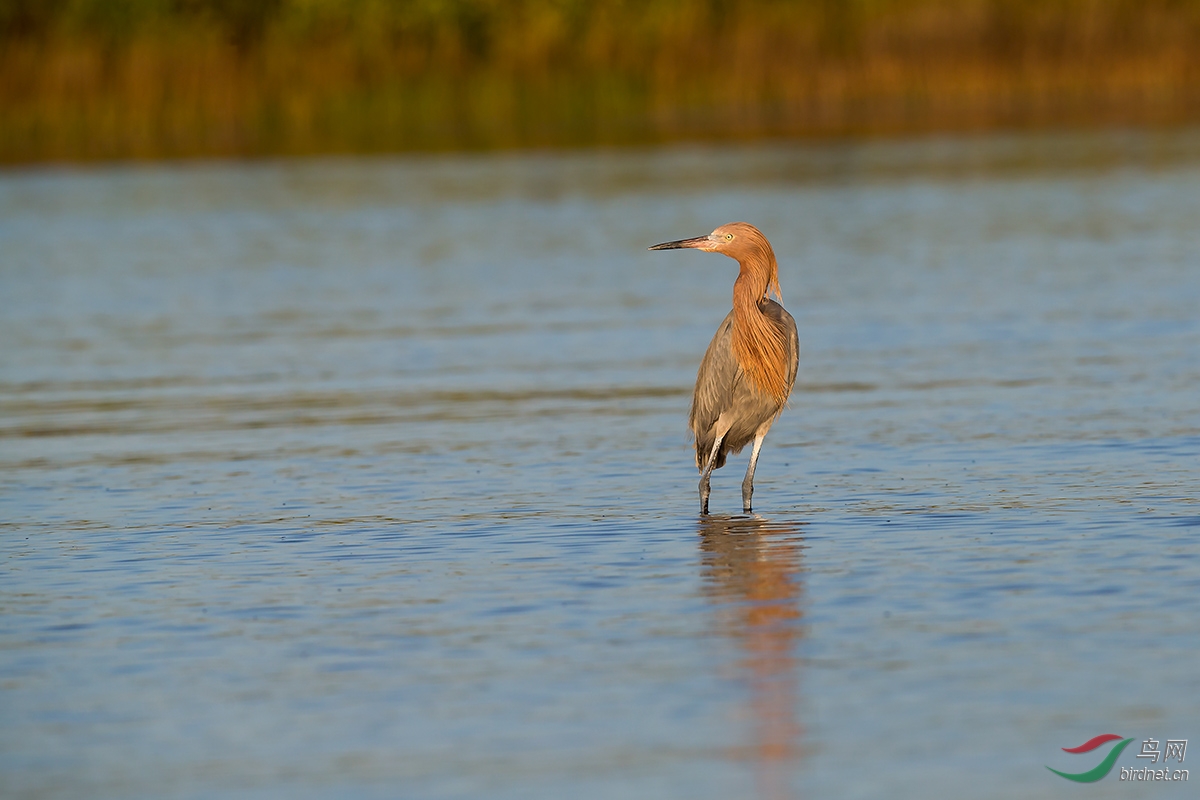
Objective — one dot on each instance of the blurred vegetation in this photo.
(83, 79)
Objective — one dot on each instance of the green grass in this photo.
(100, 79)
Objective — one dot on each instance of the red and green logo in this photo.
(1104, 767)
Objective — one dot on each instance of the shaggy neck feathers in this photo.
(759, 345)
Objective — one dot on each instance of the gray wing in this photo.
(721, 387)
(716, 381)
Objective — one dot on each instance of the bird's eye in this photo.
(729, 237)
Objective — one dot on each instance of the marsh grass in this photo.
(100, 79)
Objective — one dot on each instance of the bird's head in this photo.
(738, 240)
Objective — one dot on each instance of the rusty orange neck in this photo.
(759, 346)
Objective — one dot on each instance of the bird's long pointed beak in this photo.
(698, 243)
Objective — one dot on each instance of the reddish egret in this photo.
(750, 366)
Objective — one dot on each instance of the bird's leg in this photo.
(748, 481)
(708, 468)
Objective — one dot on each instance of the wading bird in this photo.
(750, 366)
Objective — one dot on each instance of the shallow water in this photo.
(370, 478)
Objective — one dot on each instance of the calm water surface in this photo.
(370, 478)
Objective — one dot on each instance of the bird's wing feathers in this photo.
(722, 388)
(716, 381)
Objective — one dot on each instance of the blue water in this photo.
(370, 478)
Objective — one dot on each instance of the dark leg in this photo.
(708, 468)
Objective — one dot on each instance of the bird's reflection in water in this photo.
(753, 572)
